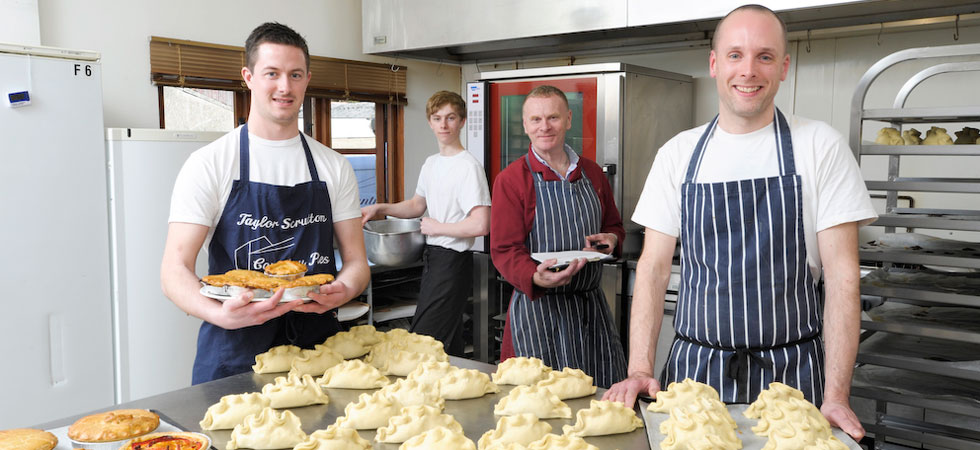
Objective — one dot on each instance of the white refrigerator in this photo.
(56, 328)
(156, 341)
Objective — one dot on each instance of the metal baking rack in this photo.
(909, 418)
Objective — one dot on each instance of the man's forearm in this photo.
(842, 308)
(646, 317)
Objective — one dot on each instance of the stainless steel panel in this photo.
(928, 150)
(579, 69)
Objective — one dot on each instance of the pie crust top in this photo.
(170, 440)
(27, 439)
(113, 425)
(285, 267)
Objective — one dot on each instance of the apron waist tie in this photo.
(737, 364)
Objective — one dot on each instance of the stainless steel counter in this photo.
(186, 407)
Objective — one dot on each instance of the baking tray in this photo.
(64, 443)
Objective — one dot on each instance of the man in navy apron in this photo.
(261, 194)
(551, 201)
(762, 205)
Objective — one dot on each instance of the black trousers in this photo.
(447, 280)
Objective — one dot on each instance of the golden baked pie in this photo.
(286, 267)
(170, 440)
(113, 425)
(27, 439)
(310, 280)
(243, 275)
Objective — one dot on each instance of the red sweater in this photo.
(513, 201)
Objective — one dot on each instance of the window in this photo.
(352, 133)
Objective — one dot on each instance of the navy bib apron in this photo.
(261, 224)
(571, 325)
(748, 308)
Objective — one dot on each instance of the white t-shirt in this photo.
(204, 182)
(833, 189)
(452, 187)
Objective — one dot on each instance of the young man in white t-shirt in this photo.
(453, 190)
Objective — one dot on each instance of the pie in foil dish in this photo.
(114, 425)
(27, 439)
(171, 440)
(235, 282)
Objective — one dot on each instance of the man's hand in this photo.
(547, 278)
(332, 295)
(626, 391)
(592, 241)
(841, 416)
(431, 227)
(241, 312)
(368, 212)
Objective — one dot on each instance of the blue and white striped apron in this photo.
(571, 325)
(748, 310)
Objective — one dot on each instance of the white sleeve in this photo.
(842, 195)
(475, 191)
(195, 198)
(423, 180)
(659, 205)
(345, 200)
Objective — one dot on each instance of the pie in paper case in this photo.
(556, 442)
(347, 344)
(315, 361)
(369, 411)
(293, 391)
(276, 359)
(439, 438)
(429, 373)
(603, 417)
(703, 424)
(521, 429)
(367, 334)
(231, 410)
(408, 392)
(461, 384)
(520, 370)
(352, 374)
(776, 391)
(267, 430)
(334, 438)
(681, 393)
(412, 421)
(531, 399)
(568, 383)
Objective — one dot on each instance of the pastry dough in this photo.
(937, 136)
(603, 417)
(912, 137)
(334, 438)
(27, 439)
(113, 425)
(367, 334)
(790, 421)
(369, 411)
(294, 390)
(531, 399)
(681, 393)
(415, 420)
(267, 430)
(231, 410)
(276, 359)
(347, 344)
(315, 361)
(522, 429)
(439, 438)
(520, 370)
(803, 432)
(779, 413)
(776, 391)
(429, 373)
(408, 392)
(569, 383)
(889, 136)
(401, 357)
(702, 424)
(429, 345)
(352, 374)
(556, 442)
(461, 384)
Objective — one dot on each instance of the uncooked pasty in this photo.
(937, 136)
(415, 420)
(315, 361)
(429, 373)
(426, 344)
(569, 383)
(408, 392)
(294, 390)
(556, 442)
(231, 410)
(461, 384)
(702, 424)
(603, 417)
(780, 412)
(803, 432)
(276, 359)
(889, 136)
(403, 362)
(531, 399)
(776, 391)
(367, 334)
(403, 355)
(369, 411)
(520, 370)
(521, 429)
(439, 438)
(352, 374)
(347, 344)
(334, 438)
(681, 393)
(267, 430)
(912, 137)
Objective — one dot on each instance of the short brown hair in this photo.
(443, 98)
(756, 8)
(546, 90)
(275, 33)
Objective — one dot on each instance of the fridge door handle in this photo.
(609, 169)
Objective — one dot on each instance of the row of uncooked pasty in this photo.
(934, 136)
(698, 419)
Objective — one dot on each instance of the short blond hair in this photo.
(443, 98)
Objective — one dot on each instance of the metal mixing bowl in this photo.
(394, 242)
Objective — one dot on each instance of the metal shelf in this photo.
(914, 257)
(963, 185)
(924, 115)
(924, 150)
(929, 221)
(918, 365)
(916, 328)
(948, 405)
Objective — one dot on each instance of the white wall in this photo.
(121, 29)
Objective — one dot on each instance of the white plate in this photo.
(352, 310)
(566, 257)
(222, 297)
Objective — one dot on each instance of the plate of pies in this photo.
(290, 276)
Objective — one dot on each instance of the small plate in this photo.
(223, 297)
(351, 310)
(564, 258)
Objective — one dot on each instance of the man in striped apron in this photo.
(762, 204)
(550, 201)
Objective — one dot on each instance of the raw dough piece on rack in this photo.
(522, 429)
(520, 370)
(412, 421)
(369, 411)
(231, 410)
(461, 384)
(334, 438)
(276, 359)
(568, 383)
(681, 393)
(603, 417)
(267, 430)
(353, 374)
(293, 391)
(531, 399)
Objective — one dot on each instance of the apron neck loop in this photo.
(784, 147)
(309, 159)
(243, 156)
